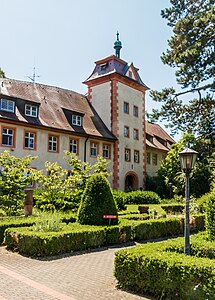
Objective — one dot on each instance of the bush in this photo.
(173, 208)
(23, 221)
(14, 222)
(210, 216)
(97, 200)
(119, 197)
(142, 197)
(73, 237)
(163, 270)
(202, 203)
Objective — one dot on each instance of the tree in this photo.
(173, 176)
(15, 175)
(85, 169)
(191, 52)
(56, 188)
(2, 74)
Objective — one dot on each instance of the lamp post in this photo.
(187, 160)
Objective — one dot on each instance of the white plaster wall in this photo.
(133, 97)
(151, 169)
(101, 100)
(42, 145)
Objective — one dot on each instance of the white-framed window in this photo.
(30, 110)
(77, 120)
(93, 149)
(8, 137)
(106, 151)
(30, 138)
(53, 143)
(136, 156)
(126, 131)
(136, 134)
(7, 105)
(127, 154)
(73, 146)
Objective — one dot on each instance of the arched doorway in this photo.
(131, 181)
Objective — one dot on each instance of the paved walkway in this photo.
(85, 276)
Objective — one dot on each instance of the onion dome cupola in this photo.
(117, 45)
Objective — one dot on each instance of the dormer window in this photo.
(76, 120)
(103, 67)
(7, 105)
(31, 110)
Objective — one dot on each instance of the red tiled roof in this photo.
(158, 136)
(53, 102)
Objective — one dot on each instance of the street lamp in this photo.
(187, 159)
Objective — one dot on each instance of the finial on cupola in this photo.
(117, 45)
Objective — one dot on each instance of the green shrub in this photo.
(152, 229)
(44, 224)
(2, 213)
(210, 216)
(119, 197)
(73, 237)
(202, 203)
(14, 222)
(135, 217)
(163, 270)
(142, 197)
(97, 200)
(173, 208)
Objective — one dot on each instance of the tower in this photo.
(117, 92)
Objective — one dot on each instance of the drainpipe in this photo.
(85, 149)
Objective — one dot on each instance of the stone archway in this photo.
(131, 181)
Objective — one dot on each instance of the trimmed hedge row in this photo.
(26, 222)
(155, 268)
(142, 197)
(173, 208)
(74, 237)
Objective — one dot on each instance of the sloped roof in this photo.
(114, 64)
(160, 138)
(53, 104)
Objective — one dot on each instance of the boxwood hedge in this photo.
(163, 270)
(75, 237)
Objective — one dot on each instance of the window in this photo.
(149, 138)
(7, 105)
(126, 131)
(106, 151)
(103, 67)
(30, 110)
(74, 146)
(136, 156)
(136, 134)
(154, 159)
(77, 120)
(93, 149)
(135, 111)
(130, 74)
(8, 137)
(30, 140)
(148, 158)
(126, 107)
(53, 144)
(127, 154)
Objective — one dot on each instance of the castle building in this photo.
(45, 121)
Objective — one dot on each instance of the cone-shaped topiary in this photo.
(97, 200)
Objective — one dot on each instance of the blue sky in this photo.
(63, 39)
